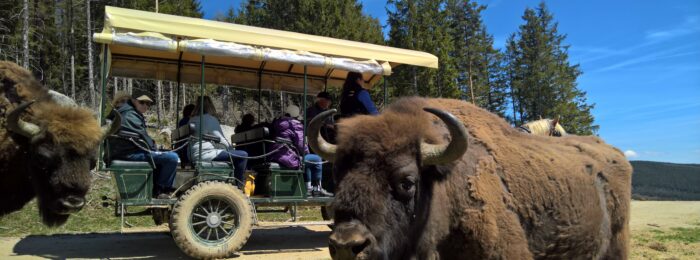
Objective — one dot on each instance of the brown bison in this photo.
(417, 185)
(47, 147)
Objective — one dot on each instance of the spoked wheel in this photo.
(212, 220)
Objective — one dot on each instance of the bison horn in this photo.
(434, 154)
(19, 126)
(112, 127)
(316, 141)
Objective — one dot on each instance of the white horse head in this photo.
(545, 127)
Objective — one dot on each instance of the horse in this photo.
(544, 127)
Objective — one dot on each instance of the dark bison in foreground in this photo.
(47, 147)
(419, 185)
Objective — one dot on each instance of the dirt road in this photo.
(294, 242)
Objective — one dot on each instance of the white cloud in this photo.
(631, 154)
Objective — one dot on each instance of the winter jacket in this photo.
(356, 100)
(211, 126)
(132, 122)
(290, 129)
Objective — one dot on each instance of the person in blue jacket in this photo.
(355, 99)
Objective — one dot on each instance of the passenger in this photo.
(323, 103)
(186, 114)
(288, 127)
(355, 99)
(212, 151)
(246, 123)
(133, 121)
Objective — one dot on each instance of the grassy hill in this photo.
(665, 181)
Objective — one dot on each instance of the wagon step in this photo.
(264, 224)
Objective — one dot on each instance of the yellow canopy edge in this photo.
(123, 20)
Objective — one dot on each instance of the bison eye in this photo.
(407, 184)
(405, 188)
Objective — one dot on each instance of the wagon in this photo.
(209, 216)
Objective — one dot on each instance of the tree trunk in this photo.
(171, 108)
(91, 79)
(72, 49)
(116, 87)
(471, 84)
(130, 88)
(159, 99)
(184, 94)
(25, 34)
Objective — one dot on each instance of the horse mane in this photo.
(541, 127)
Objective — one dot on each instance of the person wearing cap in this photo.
(134, 122)
(355, 99)
(323, 103)
(290, 128)
(220, 150)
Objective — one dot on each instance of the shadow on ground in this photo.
(160, 245)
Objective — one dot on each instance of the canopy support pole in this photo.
(260, 73)
(201, 115)
(303, 109)
(386, 94)
(177, 100)
(103, 103)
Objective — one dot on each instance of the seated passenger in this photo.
(323, 103)
(355, 99)
(134, 122)
(288, 127)
(186, 114)
(215, 151)
(246, 123)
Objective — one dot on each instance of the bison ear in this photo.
(555, 122)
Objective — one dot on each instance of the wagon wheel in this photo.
(212, 220)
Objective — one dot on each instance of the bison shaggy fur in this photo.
(510, 196)
(53, 165)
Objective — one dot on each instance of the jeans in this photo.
(313, 169)
(239, 164)
(164, 172)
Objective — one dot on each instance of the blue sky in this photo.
(640, 62)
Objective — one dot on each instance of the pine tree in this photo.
(542, 81)
(478, 62)
(423, 25)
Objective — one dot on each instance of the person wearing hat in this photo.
(290, 128)
(323, 103)
(134, 122)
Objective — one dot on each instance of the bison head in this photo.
(384, 168)
(59, 150)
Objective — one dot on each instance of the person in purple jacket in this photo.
(290, 156)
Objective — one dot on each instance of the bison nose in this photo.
(73, 202)
(349, 240)
(348, 249)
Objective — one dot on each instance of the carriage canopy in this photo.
(150, 45)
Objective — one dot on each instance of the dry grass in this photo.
(665, 230)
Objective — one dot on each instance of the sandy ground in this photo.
(267, 242)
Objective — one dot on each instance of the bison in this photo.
(48, 146)
(461, 183)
